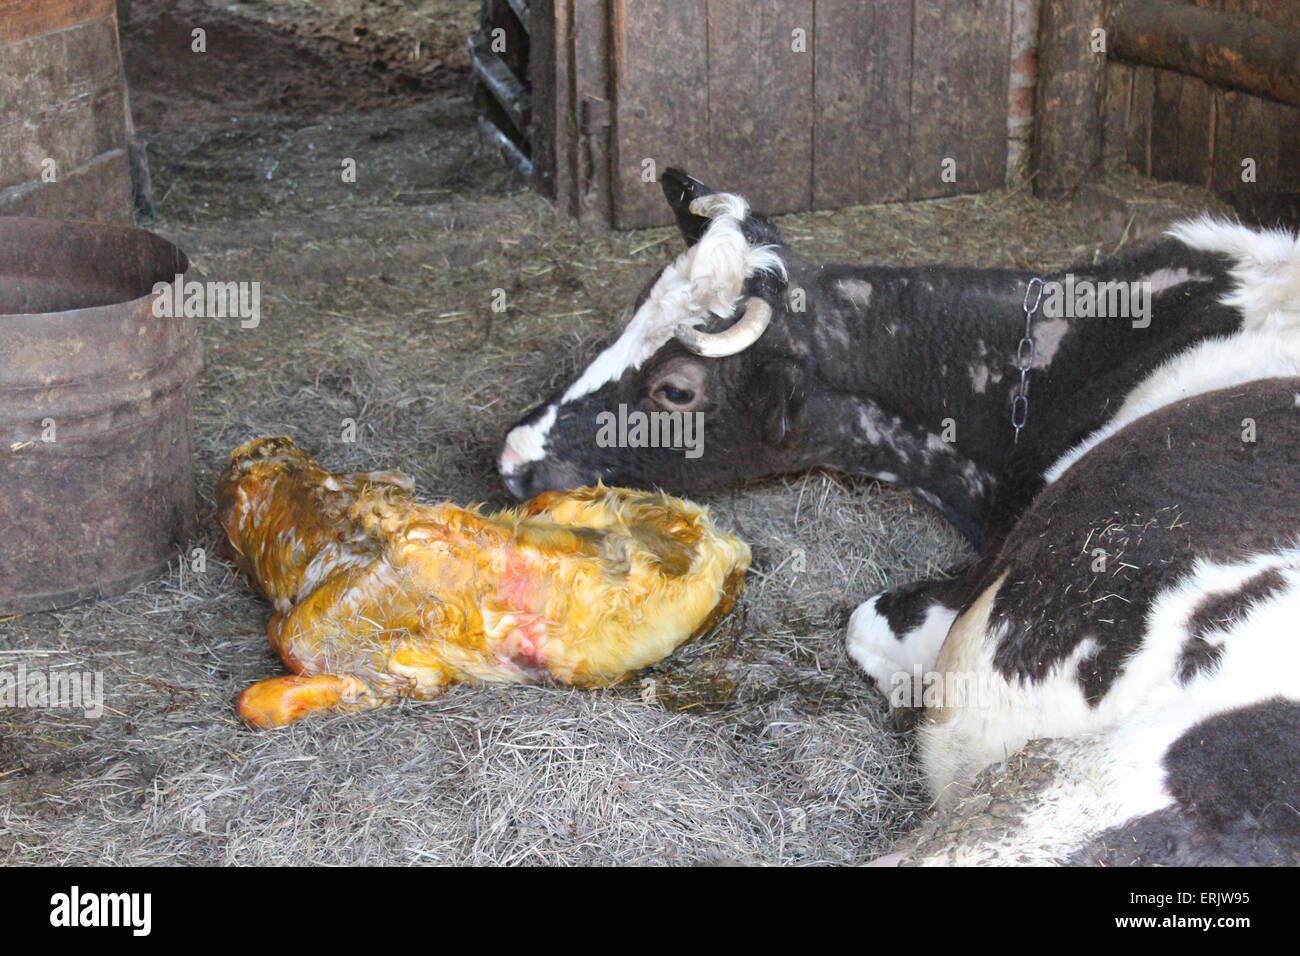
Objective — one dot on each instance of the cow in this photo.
(1120, 445)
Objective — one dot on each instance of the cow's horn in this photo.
(740, 336)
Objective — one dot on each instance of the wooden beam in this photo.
(523, 12)
(1068, 115)
(1225, 48)
(498, 140)
(99, 190)
(497, 78)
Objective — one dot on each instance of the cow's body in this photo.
(1129, 603)
(1140, 544)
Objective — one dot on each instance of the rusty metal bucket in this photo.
(96, 481)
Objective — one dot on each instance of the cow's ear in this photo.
(781, 388)
(680, 189)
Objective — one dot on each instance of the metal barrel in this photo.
(96, 473)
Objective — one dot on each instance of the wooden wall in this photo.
(62, 98)
(805, 104)
(1172, 126)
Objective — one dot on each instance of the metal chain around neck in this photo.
(1025, 358)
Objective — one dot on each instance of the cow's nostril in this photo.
(519, 480)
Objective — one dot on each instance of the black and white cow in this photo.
(1138, 587)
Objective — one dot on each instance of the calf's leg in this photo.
(897, 634)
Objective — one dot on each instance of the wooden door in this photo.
(803, 104)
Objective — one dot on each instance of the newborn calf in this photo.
(379, 597)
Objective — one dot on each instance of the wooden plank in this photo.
(69, 135)
(52, 68)
(548, 78)
(959, 96)
(1264, 131)
(1119, 100)
(1267, 133)
(61, 99)
(591, 94)
(1068, 111)
(1285, 123)
(99, 191)
(1250, 127)
(20, 19)
(1181, 116)
(761, 101)
(661, 113)
(863, 66)
(499, 80)
(1242, 131)
(1138, 136)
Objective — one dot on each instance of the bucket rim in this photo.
(44, 226)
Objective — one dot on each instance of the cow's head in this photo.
(709, 342)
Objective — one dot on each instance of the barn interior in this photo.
(759, 743)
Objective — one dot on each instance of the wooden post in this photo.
(590, 61)
(547, 78)
(1068, 112)
(1225, 48)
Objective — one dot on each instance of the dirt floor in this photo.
(759, 743)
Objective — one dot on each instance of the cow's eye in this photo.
(680, 384)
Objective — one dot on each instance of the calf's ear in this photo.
(680, 189)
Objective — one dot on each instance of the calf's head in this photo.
(704, 384)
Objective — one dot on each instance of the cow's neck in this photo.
(925, 399)
(867, 438)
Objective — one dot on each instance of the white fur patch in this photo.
(1267, 268)
(703, 281)
(527, 443)
(1205, 367)
(857, 291)
(1047, 339)
(1111, 769)
(1267, 293)
(873, 644)
(1163, 279)
(1101, 781)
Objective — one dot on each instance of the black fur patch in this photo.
(904, 608)
(1242, 765)
(1171, 488)
(1236, 781)
(1220, 611)
(1170, 837)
